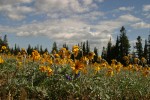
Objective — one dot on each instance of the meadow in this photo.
(55, 76)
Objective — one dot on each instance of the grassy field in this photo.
(57, 77)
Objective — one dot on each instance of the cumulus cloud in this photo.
(140, 25)
(125, 8)
(146, 8)
(129, 18)
(67, 21)
(13, 10)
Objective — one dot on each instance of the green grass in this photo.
(29, 83)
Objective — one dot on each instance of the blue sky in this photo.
(41, 22)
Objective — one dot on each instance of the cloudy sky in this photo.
(72, 21)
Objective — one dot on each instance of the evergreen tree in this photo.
(5, 41)
(16, 50)
(108, 58)
(124, 44)
(104, 53)
(96, 54)
(117, 51)
(148, 47)
(65, 46)
(83, 49)
(54, 48)
(46, 50)
(29, 50)
(113, 53)
(41, 50)
(1, 42)
(139, 47)
(145, 50)
(87, 47)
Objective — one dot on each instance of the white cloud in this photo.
(12, 2)
(100, 0)
(141, 25)
(65, 6)
(87, 2)
(146, 8)
(74, 29)
(15, 12)
(126, 8)
(68, 21)
(129, 18)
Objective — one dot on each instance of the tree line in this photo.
(117, 51)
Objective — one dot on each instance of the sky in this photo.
(41, 22)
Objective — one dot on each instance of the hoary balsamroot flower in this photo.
(23, 51)
(4, 48)
(35, 55)
(96, 67)
(145, 73)
(77, 66)
(118, 67)
(1, 60)
(46, 69)
(56, 55)
(62, 51)
(43, 68)
(110, 72)
(91, 55)
(136, 60)
(75, 50)
(49, 71)
(113, 61)
(143, 60)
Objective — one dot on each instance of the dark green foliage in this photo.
(83, 49)
(104, 53)
(65, 46)
(109, 51)
(124, 44)
(29, 49)
(54, 48)
(117, 53)
(139, 47)
(87, 47)
(96, 54)
(145, 50)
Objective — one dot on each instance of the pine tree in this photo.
(1, 42)
(148, 47)
(41, 50)
(124, 44)
(145, 50)
(5, 41)
(29, 50)
(87, 47)
(104, 53)
(108, 58)
(65, 46)
(54, 48)
(96, 54)
(117, 51)
(83, 49)
(139, 47)
(46, 50)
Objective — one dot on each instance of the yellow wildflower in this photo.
(1, 60)
(75, 50)
(49, 71)
(42, 68)
(4, 47)
(110, 72)
(77, 66)
(91, 55)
